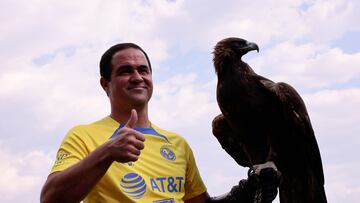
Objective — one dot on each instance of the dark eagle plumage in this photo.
(266, 121)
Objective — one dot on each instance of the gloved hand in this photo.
(259, 188)
(269, 182)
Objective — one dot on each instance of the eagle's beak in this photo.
(251, 46)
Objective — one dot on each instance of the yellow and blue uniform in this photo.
(165, 172)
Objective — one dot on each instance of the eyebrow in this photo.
(126, 66)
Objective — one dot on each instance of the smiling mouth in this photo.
(137, 88)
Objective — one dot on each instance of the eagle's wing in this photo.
(228, 140)
(302, 136)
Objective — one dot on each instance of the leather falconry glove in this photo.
(256, 188)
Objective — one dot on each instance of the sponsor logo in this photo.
(133, 185)
(60, 156)
(167, 184)
(165, 201)
(167, 153)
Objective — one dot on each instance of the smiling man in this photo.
(126, 158)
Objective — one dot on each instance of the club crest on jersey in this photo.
(133, 185)
(167, 153)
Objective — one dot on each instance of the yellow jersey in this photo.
(165, 172)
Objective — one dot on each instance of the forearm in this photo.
(74, 183)
(258, 187)
(243, 192)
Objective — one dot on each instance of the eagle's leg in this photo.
(258, 167)
(264, 173)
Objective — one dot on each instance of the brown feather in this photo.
(265, 121)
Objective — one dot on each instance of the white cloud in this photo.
(307, 65)
(182, 102)
(335, 118)
(335, 113)
(44, 27)
(22, 174)
(201, 24)
(49, 76)
(327, 20)
(49, 91)
(339, 183)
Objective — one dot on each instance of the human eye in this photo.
(124, 70)
(144, 69)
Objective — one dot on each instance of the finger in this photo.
(131, 123)
(269, 193)
(133, 153)
(139, 145)
(134, 150)
(131, 157)
(269, 174)
(132, 140)
(138, 135)
(135, 138)
(254, 180)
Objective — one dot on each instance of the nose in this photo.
(136, 77)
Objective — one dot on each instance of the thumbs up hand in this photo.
(131, 123)
(127, 144)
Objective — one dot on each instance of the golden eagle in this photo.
(264, 122)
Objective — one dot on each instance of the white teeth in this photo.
(137, 88)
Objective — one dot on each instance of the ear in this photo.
(105, 85)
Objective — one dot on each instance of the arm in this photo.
(75, 182)
(238, 193)
(203, 198)
(267, 181)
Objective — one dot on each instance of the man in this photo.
(126, 158)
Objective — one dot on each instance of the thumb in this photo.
(131, 123)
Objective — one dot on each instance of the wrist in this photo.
(243, 193)
(104, 155)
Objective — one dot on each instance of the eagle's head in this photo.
(231, 49)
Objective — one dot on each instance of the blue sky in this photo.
(49, 78)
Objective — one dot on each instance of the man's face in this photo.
(131, 80)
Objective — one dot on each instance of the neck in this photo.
(246, 68)
(123, 115)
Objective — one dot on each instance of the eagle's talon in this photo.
(251, 171)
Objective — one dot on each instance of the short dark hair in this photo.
(105, 62)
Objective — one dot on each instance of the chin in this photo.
(140, 101)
